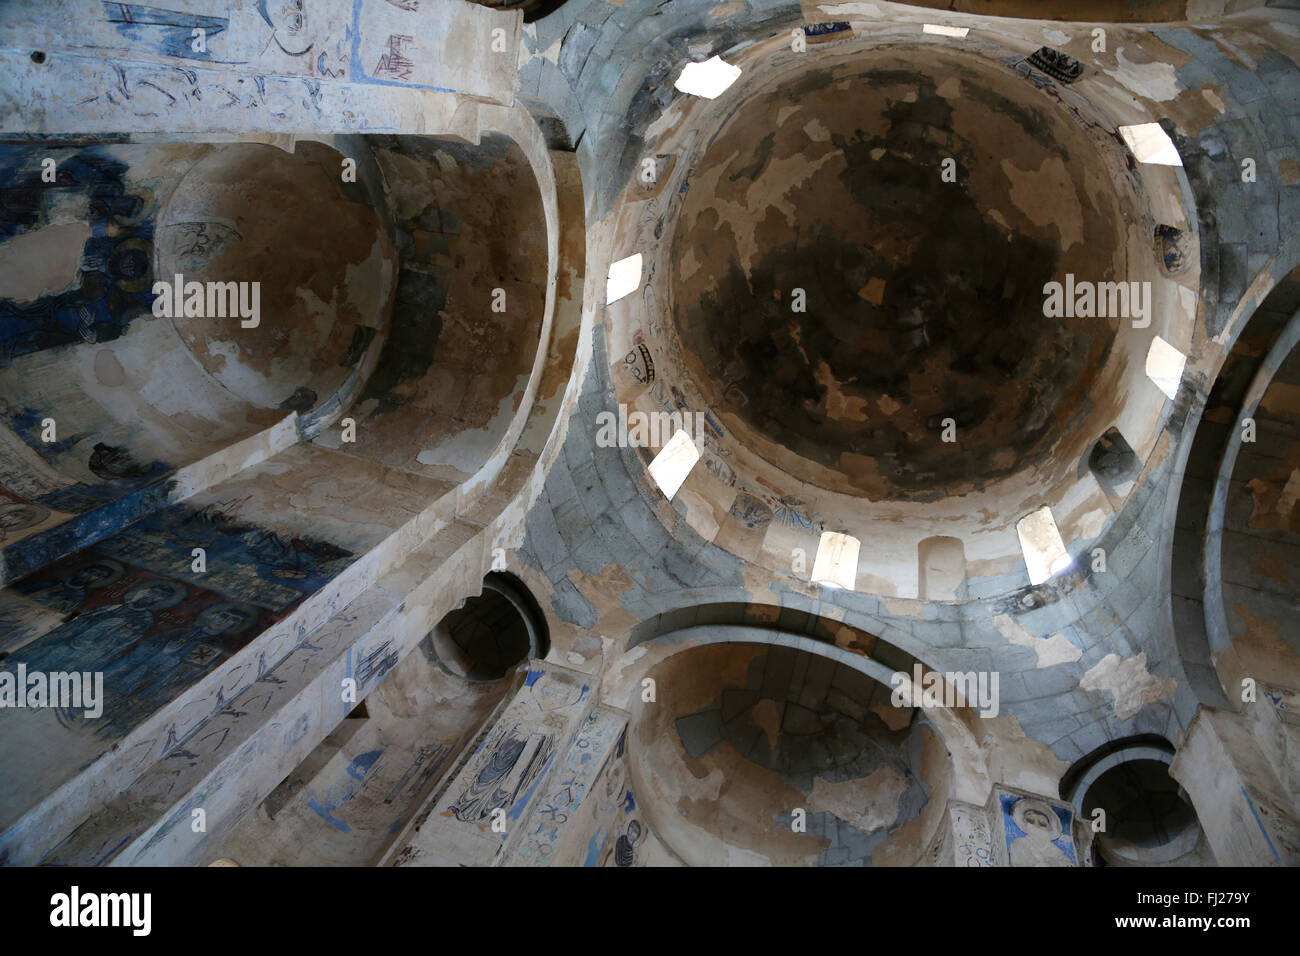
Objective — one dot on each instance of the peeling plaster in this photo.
(1050, 651)
(1128, 680)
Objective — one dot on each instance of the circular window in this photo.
(491, 633)
(1148, 820)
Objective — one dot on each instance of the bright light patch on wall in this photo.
(624, 277)
(939, 29)
(1151, 144)
(707, 79)
(673, 463)
(1041, 543)
(1165, 366)
(836, 564)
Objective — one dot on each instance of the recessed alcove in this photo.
(1138, 814)
(470, 296)
(137, 389)
(492, 632)
(745, 739)
(324, 265)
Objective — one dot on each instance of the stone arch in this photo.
(1231, 664)
(1206, 460)
(492, 632)
(121, 363)
(955, 726)
(1148, 819)
(696, 838)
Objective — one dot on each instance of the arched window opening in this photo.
(491, 633)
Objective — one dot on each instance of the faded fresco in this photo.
(116, 274)
(486, 810)
(1033, 831)
(133, 609)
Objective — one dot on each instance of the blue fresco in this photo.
(826, 28)
(266, 565)
(333, 798)
(521, 804)
(1014, 832)
(150, 636)
(129, 492)
(116, 280)
(595, 845)
(26, 423)
(1262, 829)
(34, 552)
(138, 612)
(361, 764)
(169, 32)
(113, 287)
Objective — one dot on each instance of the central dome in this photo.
(920, 215)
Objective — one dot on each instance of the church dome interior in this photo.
(926, 299)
